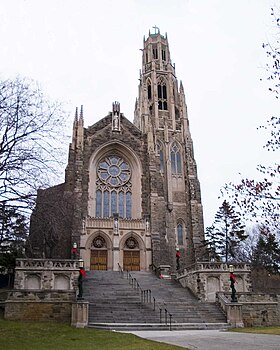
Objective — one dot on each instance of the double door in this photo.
(131, 260)
(98, 260)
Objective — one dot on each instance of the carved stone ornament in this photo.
(99, 242)
(131, 243)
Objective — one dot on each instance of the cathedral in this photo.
(131, 196)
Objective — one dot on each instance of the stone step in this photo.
(112, 299)
(158, 326)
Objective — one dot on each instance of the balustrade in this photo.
(218, 266)
(133, 224)
(41, 264)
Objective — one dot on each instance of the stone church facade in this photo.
(131, 196)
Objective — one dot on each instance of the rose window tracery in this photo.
(131, 243)
(99, 242)
(113, 187)
(114, 171)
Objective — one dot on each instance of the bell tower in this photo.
(176, 214)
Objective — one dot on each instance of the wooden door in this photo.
(131, 260)
(98, 260)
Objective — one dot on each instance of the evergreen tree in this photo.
(266, 253)
(13, 234)
(226, 232)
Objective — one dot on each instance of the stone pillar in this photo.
(116, 242)
(80, 314)
(234, 315)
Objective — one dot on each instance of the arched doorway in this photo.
(213, 286)
(99, 254)
(131, 255)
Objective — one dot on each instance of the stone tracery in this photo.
(113, 187)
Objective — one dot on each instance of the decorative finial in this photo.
(81, 113)
(76, 115)
(116, 107)
(181, 87)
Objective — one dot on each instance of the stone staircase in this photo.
(115, 304)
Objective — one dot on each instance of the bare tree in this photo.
(31, 134)
(260, 199)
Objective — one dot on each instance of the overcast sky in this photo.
(87, 52)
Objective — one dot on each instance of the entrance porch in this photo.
(109, 243)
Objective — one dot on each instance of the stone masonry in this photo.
(120, 171)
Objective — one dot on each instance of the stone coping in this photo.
(30, 301)
(43, 264)
(206, 265)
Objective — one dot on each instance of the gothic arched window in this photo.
(113, 187)
(149, 91)
(180, 235)
(176, 163)
(155, 52)
(163, 53)
(161, 157)
(162, 95)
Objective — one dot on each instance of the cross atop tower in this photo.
(156, 29)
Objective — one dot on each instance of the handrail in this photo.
(120, 269)
(146, 297)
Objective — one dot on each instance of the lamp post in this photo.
(80, 279)
(232, 282)
(178, 259)
(74, 250)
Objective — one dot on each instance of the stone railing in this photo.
(224, 267)
(43, 274)
(132, 224)
(45, 264)
(206, 278)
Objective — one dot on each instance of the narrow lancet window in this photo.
(155, 52)
(180, 238)
(162, 96)
(176, 164)
(149, 91)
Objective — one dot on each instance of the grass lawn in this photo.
(259, 330)
(55, 336)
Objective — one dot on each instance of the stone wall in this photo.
(260, 309)
(256, 309)
(46, 274)
(205, 279)
(44, 290)
(39, 305)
